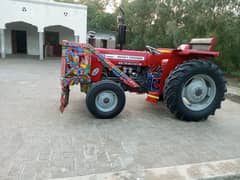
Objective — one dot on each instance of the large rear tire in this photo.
(194, 90)
(105, 99)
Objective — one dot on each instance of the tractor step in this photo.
(153, 97)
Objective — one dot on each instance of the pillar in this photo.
(2, 38)
(76, 38)
(83, 38)
(41, 44)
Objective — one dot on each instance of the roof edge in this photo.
(54, 3)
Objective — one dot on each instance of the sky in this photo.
(110, 7)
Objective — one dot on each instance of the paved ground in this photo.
(216, 170)
(37, 142)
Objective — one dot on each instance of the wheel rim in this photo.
(198, 92)
(106, 101)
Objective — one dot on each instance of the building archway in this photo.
(21, 38)
(53, 36)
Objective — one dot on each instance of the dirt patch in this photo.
(233, 81)
(233, 97)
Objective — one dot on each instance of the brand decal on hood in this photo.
(124, 57)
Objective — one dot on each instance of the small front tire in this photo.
(105, 99)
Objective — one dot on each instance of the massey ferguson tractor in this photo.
(184, 78)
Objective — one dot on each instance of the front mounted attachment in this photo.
(76, 67)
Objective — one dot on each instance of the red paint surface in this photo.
(168, 59)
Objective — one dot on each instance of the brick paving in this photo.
(37, 142)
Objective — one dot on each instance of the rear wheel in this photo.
(194, 90)
(105, 99)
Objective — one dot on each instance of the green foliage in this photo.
(169, 23)
(98, 20)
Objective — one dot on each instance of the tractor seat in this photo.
(202, 44)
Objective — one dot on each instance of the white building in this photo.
(36, 27)
(104, 40)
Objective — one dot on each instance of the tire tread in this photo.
(175, 80)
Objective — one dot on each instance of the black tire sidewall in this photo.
(98, 88)
(203, 113)
(177, 80)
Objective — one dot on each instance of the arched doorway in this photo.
(54, 35)
(21, 38)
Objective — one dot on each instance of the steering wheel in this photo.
(152, 50)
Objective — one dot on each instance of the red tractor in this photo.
(184, 78)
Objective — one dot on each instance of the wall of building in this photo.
(109, 37)
(64, 33)
(44, 13)
(32, 38)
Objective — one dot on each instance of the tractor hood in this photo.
(125, 57)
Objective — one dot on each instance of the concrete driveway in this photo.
(37, 142)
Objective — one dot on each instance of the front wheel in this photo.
(194, 90)
(105, 99)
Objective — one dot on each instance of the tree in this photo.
(172, 22)
(168, 23)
